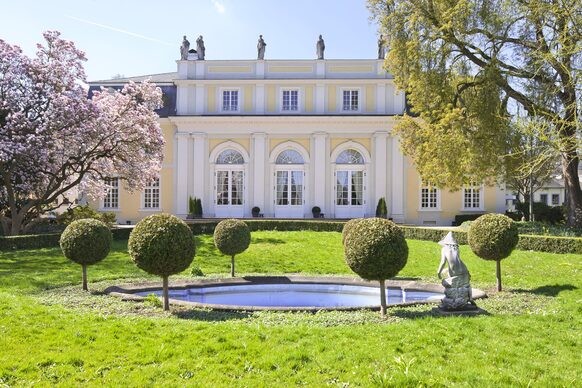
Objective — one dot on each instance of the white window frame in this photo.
(341, 99)
(422, 186)
(102, 207)
(221, 100)
(473, 186)
(143, 208)
(299, 99)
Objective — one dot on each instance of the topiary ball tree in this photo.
(86, 242)
(162, 245)
(232, 237)
(348, 227)
(493, 237)
(375, 249)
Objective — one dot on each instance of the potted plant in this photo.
(191, 208)
(316, 212)
(255, 211)
(382, 209)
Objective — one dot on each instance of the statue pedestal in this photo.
(470, 310)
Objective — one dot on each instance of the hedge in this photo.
(550, 244)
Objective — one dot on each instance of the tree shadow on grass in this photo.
(434, 313)
(548, 290)
(211, 315)
(268, 240)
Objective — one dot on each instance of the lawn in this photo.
(52, 333)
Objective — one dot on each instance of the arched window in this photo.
(230, 157)
(289, 157)
(350, 156)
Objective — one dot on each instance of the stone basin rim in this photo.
(128, 291)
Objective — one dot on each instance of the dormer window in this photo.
(290, 100)
(230, 100)
(351, 100)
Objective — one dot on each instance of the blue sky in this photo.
(133, 37)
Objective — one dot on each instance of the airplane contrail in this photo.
(119, 30)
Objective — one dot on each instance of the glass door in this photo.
(349, 193)
(289, 194)
(229, 193)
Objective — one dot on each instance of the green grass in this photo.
(52, 333)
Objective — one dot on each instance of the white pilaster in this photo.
(319, 98)
(260, 69)
(381, 98)
(319, 171)
(182, 100)
(398, 181)
(259, 147)
(181, 177)
(320, 69)
(200, 97)
(260, 99)
(200, 70)
(182, 69)
(199, 165)
(380, 165)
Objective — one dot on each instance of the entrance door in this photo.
(229, 193)
(349, 194)
(289, 194)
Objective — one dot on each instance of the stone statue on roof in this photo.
(458, 295)
(200, 49)
(261, 45)
(184, 48)
(381, 47)
(320, 47)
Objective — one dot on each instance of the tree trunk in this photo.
(498, 274)
(232, 266)
(84, 277)
(165, 293)
(383, 298)
(16, 225)
(572, 184)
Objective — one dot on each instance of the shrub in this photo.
(163, 245)
(460, 218)
(493, 237)
(232, 237)
(382, 209)
(86, 242)
(191, 205)
(83, 212)
(375, 249)
(542, 212)
(348, 228)
(198, 212)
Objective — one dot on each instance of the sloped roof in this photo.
(157, 78)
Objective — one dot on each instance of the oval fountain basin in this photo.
(296, 295)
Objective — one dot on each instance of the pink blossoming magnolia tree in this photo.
(53, 138)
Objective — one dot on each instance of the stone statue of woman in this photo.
(200, 49)
(184, 49)
(261, 48)
(381, 47)
(320, 47)
(457, 283)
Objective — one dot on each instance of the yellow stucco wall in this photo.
(335, 142)
(305, 142)
(331, 98)
(213, 143)
(370, 98)
(211, 103)
(248, 98)
(168, 133)
(309, 99)
(271, 98)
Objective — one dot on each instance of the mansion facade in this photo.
(285, 136)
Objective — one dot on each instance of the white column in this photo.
(381, 99)
(319, 161)
(182, 100)
(260, 99)
(380, 165)
(319, 98)
(259, 147)
(260, 69)
(199, 165)
(200, 97)
(320, 69)
(181, 174)
(398, 181)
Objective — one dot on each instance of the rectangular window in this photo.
(230, 100)
(555, 199)
(151, 195)
(544, 198)
(290, 100)
(350, 100)
(472, 197)
(111, 200)
(428, 196)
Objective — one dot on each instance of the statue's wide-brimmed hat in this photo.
(449, 240)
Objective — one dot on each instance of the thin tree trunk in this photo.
(165, 293)
(383, 298)
(498, 274)
(84, 277)
(232, 266)
(572, 184)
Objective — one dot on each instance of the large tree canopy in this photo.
(470, 67)
(53, 138)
